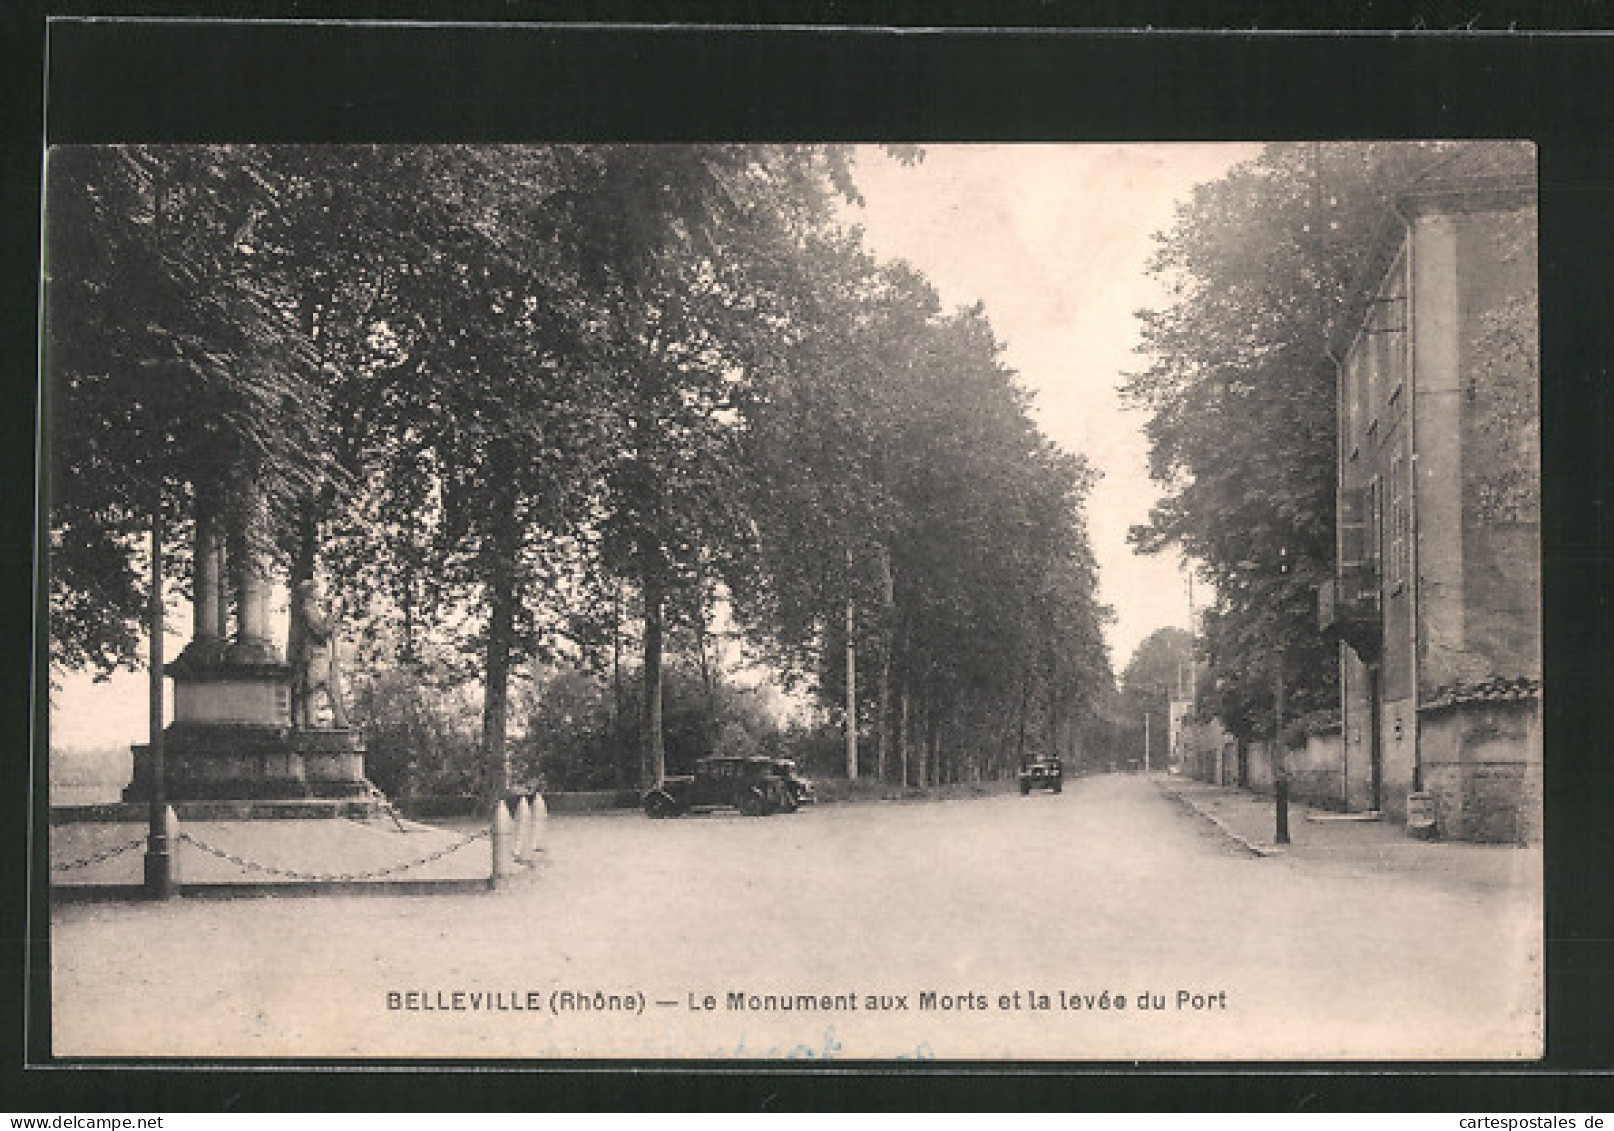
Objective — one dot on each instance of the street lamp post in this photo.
(159, 870)
(159, 862)
(1280, 759)
(1280, 749)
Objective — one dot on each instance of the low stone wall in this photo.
(1314, 770)
(1259, 767)
(464, 805)
(1207, 749)
(1482, 767)
(592, 801)
(1479, 761)
(79, 794)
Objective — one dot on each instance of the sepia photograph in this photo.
(598, 601)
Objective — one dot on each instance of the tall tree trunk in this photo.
(409, 652)
(932, 752)
(708, 667)
(308, 510)
(621, 771)
(502, 597)
(1056, 719)
(1025, 709)
(653, 757)
(851, 675)
(496, 692)
(902, 734)
(888, 638)
(921, 741)
(917, 732)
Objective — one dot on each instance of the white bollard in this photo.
(500, 839)
(523, 831)
(540, 825)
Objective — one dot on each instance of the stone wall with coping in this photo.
(1315, 770)
(1482, 766)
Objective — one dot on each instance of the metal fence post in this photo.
(162, 846)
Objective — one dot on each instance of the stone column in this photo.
(252, 595)
(209, 621)
(221, 559)
(253, 642)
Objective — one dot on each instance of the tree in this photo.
(511, 397)
(819, 427)
(684, 246)
(175, 363)
(1157, 673)
(479, 406)
(383, 340)
(897, 433)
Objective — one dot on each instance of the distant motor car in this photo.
(1042, 773)
(800, 788)
(757, 787)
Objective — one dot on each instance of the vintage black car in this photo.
(801, 790)
(1042, 773)
(756, 787)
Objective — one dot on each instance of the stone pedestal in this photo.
(222, 762)
(232, 739)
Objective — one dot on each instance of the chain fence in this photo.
(98, 857)
(269, 869)
(333, 877)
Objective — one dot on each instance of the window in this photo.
(1396, 563)
(1375, 525)
(1358, 406)
(1374, 366)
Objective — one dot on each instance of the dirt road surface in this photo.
(994, 928)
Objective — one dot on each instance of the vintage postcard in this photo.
(727, 601)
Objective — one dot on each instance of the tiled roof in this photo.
(1468, 165)
(1495, 690)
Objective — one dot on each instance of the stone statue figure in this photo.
(312, 651)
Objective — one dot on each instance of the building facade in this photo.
(1436, 601)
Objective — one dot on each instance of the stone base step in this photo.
(229, 809)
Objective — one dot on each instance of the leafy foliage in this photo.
(1157, 672)
(897, 470)
(509, 398)
(576, 736)
(175, 358)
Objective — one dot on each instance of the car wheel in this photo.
(1025, 789)
(752, 804)
(659, 805)
(789, 804)
(1059, 787)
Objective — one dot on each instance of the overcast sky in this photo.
(1054, 240)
